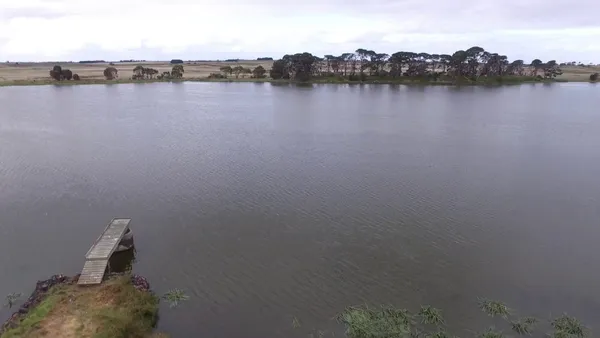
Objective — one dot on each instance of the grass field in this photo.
(37, 73)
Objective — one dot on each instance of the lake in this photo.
(267, 203)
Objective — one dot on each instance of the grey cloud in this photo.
(452, 15)
(434, 26)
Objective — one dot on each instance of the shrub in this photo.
(358, 77)
(164, 76)
(217, 76)
(111, 73)
(56, 73)
(176, 61)
(226, 70)
(66, 74)
(76, 77)
(594, 77)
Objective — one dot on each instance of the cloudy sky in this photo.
(45, 30)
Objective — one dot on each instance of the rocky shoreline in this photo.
(43, 287)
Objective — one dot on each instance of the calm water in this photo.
(271, 202)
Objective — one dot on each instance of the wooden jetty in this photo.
(97, 257)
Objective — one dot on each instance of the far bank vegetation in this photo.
(237, 71)
(146, 73)
(60, 74)
(472, 65)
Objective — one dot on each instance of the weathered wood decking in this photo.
(97, 257)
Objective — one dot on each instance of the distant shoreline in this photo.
(402, 81)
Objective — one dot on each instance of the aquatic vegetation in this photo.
(174, 297)
(389, 322)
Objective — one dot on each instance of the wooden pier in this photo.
(97, 257)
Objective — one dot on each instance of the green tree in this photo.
(398, 61)
(177, 71)
(362, 58)
(434, 60)
(227, 70)
(378, 62)
(246, 71)
(536, 65)
(551, 69)
(474, 56)
(138, 72)
(237, 70)
(445, 62)
(346, 59)
(259, 72)
(457, 63)
(149, 72)
(278, 70)
(516, 68)
(328, 61)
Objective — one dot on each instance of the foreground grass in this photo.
(113, 309)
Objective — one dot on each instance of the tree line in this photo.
(141, 72)
(470, 64)
(111, 73)
(258, 72)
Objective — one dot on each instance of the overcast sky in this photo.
(48, 30)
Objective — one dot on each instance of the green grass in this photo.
(34, 317)
(134, 315)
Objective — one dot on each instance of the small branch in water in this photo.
(12, 298)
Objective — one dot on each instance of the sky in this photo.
(63, 30)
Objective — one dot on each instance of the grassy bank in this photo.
(507, 80)
(114, 308)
